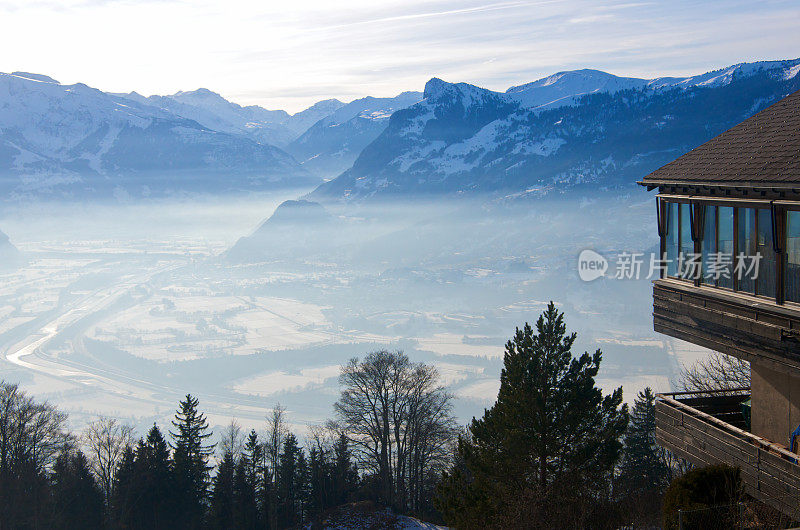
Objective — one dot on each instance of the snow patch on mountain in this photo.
(74, 139)
(332, 144)
(572, 128)
(791, 71)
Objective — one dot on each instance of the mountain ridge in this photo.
(466, 139)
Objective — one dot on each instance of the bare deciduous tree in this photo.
(31, 436)
(232, 440)
(276, 434)
(106, 440)
(716, 372)
(399, 422)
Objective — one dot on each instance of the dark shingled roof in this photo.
(763, 150)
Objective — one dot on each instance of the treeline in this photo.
(390, 442)
(553, 451)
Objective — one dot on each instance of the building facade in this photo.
(728, 216)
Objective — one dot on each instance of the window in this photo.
(737, 248)
(687, 245)
(709, 246)
(765, 280)
(725, 246)
(671, 244)
(746, 249)
(792, 281)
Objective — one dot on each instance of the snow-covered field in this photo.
(129, 319)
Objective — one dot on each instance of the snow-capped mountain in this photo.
(462, 138)
(74, 140)
(300, 122)
(211, 110)
(332, 144)
(567, 88)
(214, 112)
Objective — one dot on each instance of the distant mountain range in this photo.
(76, 141)
(333, 143)
(584, 128)
(577, 128)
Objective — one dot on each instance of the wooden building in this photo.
(728, 214)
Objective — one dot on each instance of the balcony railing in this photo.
(709, 428)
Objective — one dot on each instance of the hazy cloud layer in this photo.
(289, 55)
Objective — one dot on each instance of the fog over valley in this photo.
(120, 309)
(172, 244)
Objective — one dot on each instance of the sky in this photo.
(290, 54)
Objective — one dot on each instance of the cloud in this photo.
(289, 56)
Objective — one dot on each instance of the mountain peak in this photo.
(200, 93)
(435, 87)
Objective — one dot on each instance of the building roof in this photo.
(762, 151)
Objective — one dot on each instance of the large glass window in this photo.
(709, 247)
(736, 249)
(671, 244)
(765, 281)
(687, 245)
(725, 246)
(746, 249)
(793, 256)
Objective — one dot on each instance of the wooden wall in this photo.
(731, 323)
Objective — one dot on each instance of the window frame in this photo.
(778, 215)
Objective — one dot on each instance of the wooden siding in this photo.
(769, 472)
(745, 326)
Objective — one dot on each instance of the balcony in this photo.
(710, 428)
(752, 328)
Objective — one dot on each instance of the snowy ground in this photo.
(127, 319)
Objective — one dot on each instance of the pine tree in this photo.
(544, 453)
(319, 481)
(153, 484)
(122, 493)
(286, 486)
(257, 474)
(302, 488)
(191, 461)
(644, 472)
(221, 511)
(245, 510)
(76, 496)
(345, 474)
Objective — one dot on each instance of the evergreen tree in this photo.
(153, 484)
(544, 453)
(319, 481)
(77, 499)
(257, 473)
(302, 488)
(221, 514)
(253, 456)
(245, 510)
(286, 483)
(644, 473)
(191, 461)
(123, 501)
(345, 474)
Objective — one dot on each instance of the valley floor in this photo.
(124, 324)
